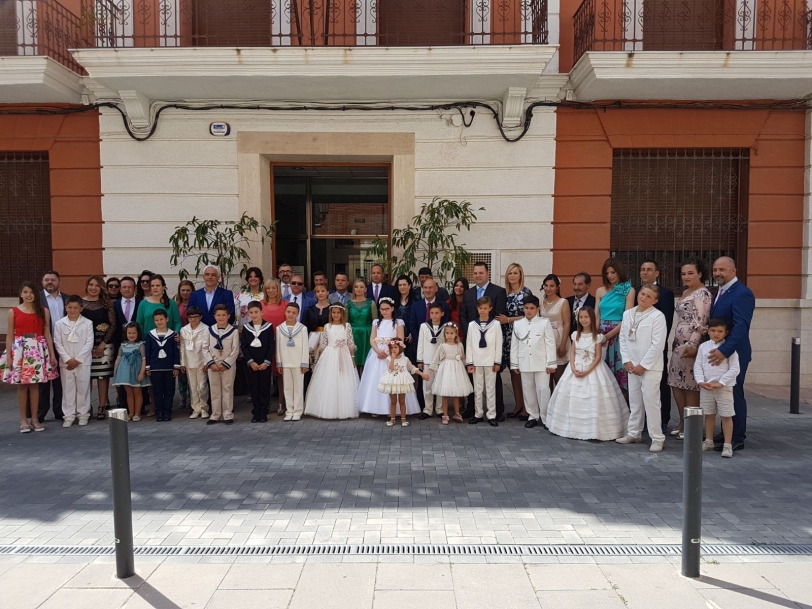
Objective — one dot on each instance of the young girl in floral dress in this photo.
(397, 381)
(29, 358)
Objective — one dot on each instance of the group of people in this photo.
(585, 367)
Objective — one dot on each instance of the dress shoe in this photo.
(531, 424)
(423, 416)
(263, 419)
(523, 417)
(229, 421)
(500, 418)
(512, 415)
(467, 414)
(254, 419)
(159, 418)
(736, 446)
(493, 422)
(628, 440)
(474, 420)
(212, 422)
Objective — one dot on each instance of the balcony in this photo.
(692, 49)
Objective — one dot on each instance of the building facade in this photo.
(582, 129)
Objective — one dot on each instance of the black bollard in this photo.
(692, 491)
(122, 497)
(795, 378)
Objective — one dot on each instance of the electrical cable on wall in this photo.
(467, 110)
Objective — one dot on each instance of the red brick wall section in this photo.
(583, 183)
(72, 143)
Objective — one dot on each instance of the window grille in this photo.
(468, 269)
(675, 204)
(25, 219)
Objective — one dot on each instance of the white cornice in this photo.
(35, 79)
(693, 75)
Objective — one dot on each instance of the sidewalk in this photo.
(431, 583)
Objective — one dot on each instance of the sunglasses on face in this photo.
(113, 286)
(296, 283)
(143, 281)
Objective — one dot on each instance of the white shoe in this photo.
(628, 440)
(707, 445)
(296, 417)
(204, 415)
(656, 446)
(727, 450)
(288, 417)
(67, 423)
(136, 418)
(83, 421)
(194, 415)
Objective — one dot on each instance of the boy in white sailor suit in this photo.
(429, 340)
(73, 341)
(192, 337)
(293, 358)
(257, 343)
(483, 358)
(163, 364)
(643, 334)
(220, 353)
(533, 355)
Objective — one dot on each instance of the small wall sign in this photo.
(221, 129)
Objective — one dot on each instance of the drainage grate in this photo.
(442, 550)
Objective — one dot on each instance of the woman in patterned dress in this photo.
(252, 292)
(557, 310)
(611, 300)
(693, 312)
(96, 306)
(516, 293)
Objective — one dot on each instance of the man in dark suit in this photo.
(298, 296)
(468, 313)
(377, 289)
(735, 304)
(211, 295)
(581, 297)
(319, 278)
(126, 309)
(650, 273)
(422, 275)
(55, 301)
(419, 314)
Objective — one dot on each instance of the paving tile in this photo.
(792, 579)
(87, 599)
(178, 586)
(580, 599)
(567, 577)
(335, 585)
(409, 599)
(414, 577)
(637, 585)
(255, 599)
(262, 577)
(744, 598)
(28, 585)
(490, 586)
(97, 575)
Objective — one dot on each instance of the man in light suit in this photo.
(735, 304)
(419, 314)
(211, 295)
(377, 289)
(581, 297)
(650, 273)
(56, 302)
(468, 313)
(298, 296)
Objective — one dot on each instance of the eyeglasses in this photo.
(145, 281)
(112, 285)
(193, 316)
(296, 283)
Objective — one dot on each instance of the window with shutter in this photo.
(25, 219)
(675, 204)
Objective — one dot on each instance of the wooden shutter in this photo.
(421, 22)
(237, 23)
(682, 25)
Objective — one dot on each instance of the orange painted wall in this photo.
(72, 143)
(585, 140)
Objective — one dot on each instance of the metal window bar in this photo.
(676, 204)
(275, 23)
(25, 219)
(692, 25)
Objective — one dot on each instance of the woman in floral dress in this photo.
(516, 293)
(557, 310)
(692, 313)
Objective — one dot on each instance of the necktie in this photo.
(377, 291)
(480, 292)
(285, 291)
(719, 295)
(428, 304)
(127, 310)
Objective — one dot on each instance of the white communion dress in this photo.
(450, 375)
(588, 408)
(334, 384)
(370, 400)
(400, 379)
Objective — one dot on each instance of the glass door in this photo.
(328, 216)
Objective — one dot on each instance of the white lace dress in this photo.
(588, 408)
(334, 384)
(370, 400)
(555, 313)
(450, 377)
(400, 379)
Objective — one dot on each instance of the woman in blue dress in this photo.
(611, 300)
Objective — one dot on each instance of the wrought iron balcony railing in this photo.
(41, 27)
(277, 23)
(692, 25)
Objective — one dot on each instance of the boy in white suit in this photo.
(483, 354)
(533, 355)
(643, 333)
(192, 338)
(293, 358)
(73, 341)
(429, 340)
(220, 352)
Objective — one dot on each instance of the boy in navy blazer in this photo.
(211, 295)
(163, 364)
(735, 304)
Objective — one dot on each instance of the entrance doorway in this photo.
(327, 217)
